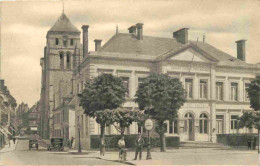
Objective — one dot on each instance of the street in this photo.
(186, 156)
(23, 156)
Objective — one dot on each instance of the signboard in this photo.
(34, 129)
(148, 124)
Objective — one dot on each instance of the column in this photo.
(132, 88)
(227, 122)
(240, 90)
(71, 61)
(213, 103)
(65, 60)
(226, 89)
(195, 87)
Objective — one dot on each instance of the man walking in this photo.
(139, 145)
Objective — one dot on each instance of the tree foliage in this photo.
(161, 97)
(121, 116)
(105, 92)
(251, 119)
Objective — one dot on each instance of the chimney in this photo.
(85, 40)
(132, 29)
(241, 49)
(97, 44)
(139, 27)
(181, 35)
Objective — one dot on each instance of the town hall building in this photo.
(215, 81)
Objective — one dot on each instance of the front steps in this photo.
(206, 144)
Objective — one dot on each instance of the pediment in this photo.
(189, 54)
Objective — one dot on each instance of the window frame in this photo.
(189, 92)
(203, 89)
(234, 91)
(219, 93)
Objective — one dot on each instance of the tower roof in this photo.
(63, 24)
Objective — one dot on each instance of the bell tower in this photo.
(57, 68)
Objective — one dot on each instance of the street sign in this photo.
(148, 124)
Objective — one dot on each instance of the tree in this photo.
(251, 119)
(104, 92)
(124, 118)
(161, 97)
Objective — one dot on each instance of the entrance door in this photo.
(219, 124)
(190, 126)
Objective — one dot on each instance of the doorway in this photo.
(189, 126)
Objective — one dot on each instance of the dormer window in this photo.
(57, 41)
(71, 42)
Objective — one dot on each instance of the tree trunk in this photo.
(163, 144)
(162, 136)
(258, 140)
(102, 140)
(122, 131)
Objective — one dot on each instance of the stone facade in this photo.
(215, 81)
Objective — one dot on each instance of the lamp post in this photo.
(148, 126)
(79, 146)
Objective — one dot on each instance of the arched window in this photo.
(188, 125)
(61, 60)
(203, 123)
(68, 61)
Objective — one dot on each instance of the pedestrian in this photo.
(121, 145)
(71, 142)
(248, 143)
(139, 146)
(254, 143)
(14, 139)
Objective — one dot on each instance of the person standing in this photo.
(121, 145)
(71, 142)
(139, 146)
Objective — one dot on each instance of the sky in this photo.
(24, 25)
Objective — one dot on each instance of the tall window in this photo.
(219, 90)
(220, 124)
(188, 88)
(203, 123)
(140, 81)
(188, 123)
(68, 61)
(234, 121)
(173, 127)
(71, 42)
(246, 94)
(203, 89)
(233, 94)
(126, 84)
(61, 60)
(57, 41)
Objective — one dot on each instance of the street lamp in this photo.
(79, 146)
(148, 124)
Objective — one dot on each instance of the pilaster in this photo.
(226, 89)
(195, 87)
(213, 103)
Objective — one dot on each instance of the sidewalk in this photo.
(181, 156)
(12, 147)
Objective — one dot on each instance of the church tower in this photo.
(57, 68)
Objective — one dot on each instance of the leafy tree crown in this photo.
(104, 92)
(160, 96)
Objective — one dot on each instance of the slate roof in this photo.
(129, 44)
(63, 24)
(123, 45)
